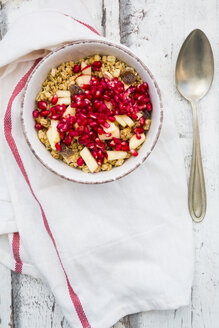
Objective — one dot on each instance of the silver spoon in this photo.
(194, 76)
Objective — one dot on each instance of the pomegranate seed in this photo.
(145, 85)
(54, 99)
(55, 117)
(77, 68)
(141, 98)
(58, 146)
(117, 141)
(106, 97)
(85, 86)
(58, 108)
(62, 135)
(134, 152)
(42, 105)
(116, 97)
(111, 118)
(100, 131)
(138, 136)
(142, 107)
(134, 116)
(147, 99)
(36, 113)
(93, 90)
(142, 121)
(139, 130)
(95, 81)
(44, 113)
(67, 140)
(94, 153)
(118, 147)
(125, 148)
(98, 141)
(93, 124)
(73, 133)
(64, 127)
(38, 126)
(91, 145)
(108, 135)
(98, 94)
(97, 65)
(80, 161)
(88, 94)
(121, 106)
(106, 125)
(149, 107)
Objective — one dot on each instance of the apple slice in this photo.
(52, 134)
(104, 137)
(113, 154)
(86, 69)
(89, 159)
(83, 79)
(120, 120)
(63, 94)
(108, 105)
(116, 133)
(113, 129)
(128, 120)
(69, 111)
(134, 142)
(126, 86)
(65, 101)
(86, 79)
(80, 80)
(139, 114)
(107, 75)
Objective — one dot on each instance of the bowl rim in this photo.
(128, 52)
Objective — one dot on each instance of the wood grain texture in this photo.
(34, 304)
(5, 298)
(154, 29)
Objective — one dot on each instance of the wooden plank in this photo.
(34, 304)
(159, 28)
(6, 319)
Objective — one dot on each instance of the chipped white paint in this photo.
(154, 29)
(5, 297)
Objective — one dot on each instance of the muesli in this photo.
(94, 113)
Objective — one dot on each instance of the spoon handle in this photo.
(197, 194)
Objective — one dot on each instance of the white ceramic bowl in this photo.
(74, 51)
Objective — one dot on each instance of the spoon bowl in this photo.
(194, 75)
(195, 67)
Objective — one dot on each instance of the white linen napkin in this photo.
(105, 250)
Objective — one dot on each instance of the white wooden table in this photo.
(156, 29)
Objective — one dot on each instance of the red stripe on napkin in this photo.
(11, 142)
(85, 24)
(16, 252)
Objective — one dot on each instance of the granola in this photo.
(93, 113)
